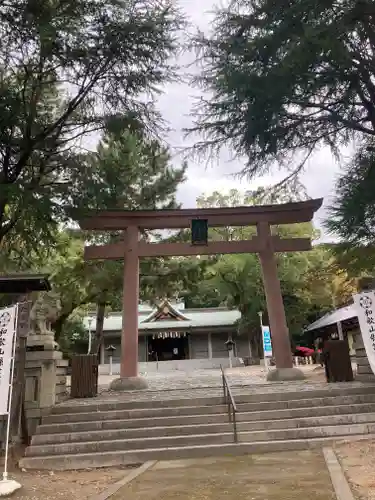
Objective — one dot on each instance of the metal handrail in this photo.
(229, 400)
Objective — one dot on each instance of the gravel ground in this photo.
(357, 459)
(72, 485)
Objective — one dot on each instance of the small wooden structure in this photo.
(20, 285)
(84, 376)
(337, 361)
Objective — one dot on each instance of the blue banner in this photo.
(267, 344)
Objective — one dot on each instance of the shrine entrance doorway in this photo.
(265, 244)
(168, 348)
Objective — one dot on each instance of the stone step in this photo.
(151, 413)
(129, 444)
(89, 405)
(148, 413)
(307, 432)
(198, 439)
(145, 432)
(150, 400)
(214, 418)
(302, 392)
(307, 403)
(120, 458)
(188, 420)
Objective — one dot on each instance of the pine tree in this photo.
(286, 78)
(66, 68)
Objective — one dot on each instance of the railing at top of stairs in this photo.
(229, 401)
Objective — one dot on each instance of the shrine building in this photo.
(170, 335)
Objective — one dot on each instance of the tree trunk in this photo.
(98, 340)
(58, 325)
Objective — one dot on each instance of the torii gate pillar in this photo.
(276, 311)
(129, 379)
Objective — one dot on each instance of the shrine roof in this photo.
(24, 283)
(185, 319)
(333, 317)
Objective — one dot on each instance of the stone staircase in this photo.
(106, 433)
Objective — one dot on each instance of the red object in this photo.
(306, 351)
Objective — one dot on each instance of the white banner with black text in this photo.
(364, 303)
(7, 337)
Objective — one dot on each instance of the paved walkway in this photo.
(279, 476)
(210, 378)
(241, 376)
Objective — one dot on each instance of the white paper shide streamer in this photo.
(8, 329)
(365, 307)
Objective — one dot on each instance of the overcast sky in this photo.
(176, 104)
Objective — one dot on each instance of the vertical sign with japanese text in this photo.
(364, 303)
(267, 343)
(7, 334)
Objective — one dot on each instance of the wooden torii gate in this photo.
(131, 249)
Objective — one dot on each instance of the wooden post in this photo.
(209, 340)
(129, 339)
(275, 306)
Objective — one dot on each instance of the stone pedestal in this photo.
(364, 372)
(281, 374)
(45, 374)
(128, 384)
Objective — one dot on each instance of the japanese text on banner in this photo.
(7, 334)
(365, 306)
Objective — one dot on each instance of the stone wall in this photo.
(45, 379)
(116, 342)
(198, 346)
(45, 383)
(219, 349)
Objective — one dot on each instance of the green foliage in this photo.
(66, 69)
(352, 214)
(286, 78)
(128, 171)
(74, 337)
(357, 260)
(312, 282)
(283, 193)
